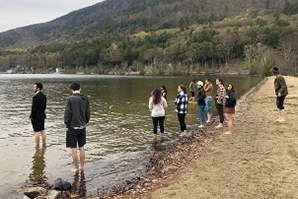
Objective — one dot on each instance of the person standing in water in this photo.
(38, 115)
(157, 106)
(164, 91)
(192, 88)
(76, 117)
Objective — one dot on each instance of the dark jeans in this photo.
(181, 118)
(220, 111)
(160, 121)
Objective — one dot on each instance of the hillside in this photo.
(132, 16)
(160, 37)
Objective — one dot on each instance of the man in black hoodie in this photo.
(76, 117)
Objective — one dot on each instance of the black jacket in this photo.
(39, 104)
(230, 100)
(201, 97)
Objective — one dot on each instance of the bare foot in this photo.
(228, 133)
(75, 170)
(219, 126)
(183, 134)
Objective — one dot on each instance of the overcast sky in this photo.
(18, 13)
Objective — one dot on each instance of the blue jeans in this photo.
(201, 114)
(159, 120)
(208, 105)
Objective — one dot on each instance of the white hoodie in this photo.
(158, 110)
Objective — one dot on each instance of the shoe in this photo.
(281, 120)
(201, 126)
(278, 119)
(219, 126)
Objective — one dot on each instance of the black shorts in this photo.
(192, 93)
(38, 125)
(280, 102)
(75, 137)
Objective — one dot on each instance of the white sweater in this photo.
(158, 110)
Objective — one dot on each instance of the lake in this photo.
(119, 135)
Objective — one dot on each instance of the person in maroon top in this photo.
(230, 107)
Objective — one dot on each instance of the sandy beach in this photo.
(260, 159)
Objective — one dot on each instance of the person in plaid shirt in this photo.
(181, 107)
(220, 101)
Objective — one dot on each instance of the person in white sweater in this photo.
(157, 106)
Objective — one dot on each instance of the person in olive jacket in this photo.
(281, 91)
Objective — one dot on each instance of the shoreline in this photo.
(258, 161)
(164, 167)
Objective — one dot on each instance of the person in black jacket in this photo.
(230, 107)
(201, 103)
(38, 116)
(76, 117)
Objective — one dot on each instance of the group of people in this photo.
(225, 103)
(76, 117)
(77, 110)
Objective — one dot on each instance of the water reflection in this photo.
(157, 144)
(79, 189)
(37, 175)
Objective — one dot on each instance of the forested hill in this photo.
(131, 16)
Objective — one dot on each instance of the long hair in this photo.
(232, 89)
(183, 88)
(220, 81)
(156, 96)
(163, 87)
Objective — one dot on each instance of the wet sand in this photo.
(260, 159)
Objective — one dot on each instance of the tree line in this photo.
(207, 48)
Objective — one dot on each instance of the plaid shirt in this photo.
(181, 103)
(220, 94)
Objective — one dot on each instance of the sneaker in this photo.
(280, 120)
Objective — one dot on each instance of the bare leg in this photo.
(208, 118)
(43, 136)
(230, 123)
(82, 158)
(282, 114)
(36, 138)
(75, 158)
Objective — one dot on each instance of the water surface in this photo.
(119, 135)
